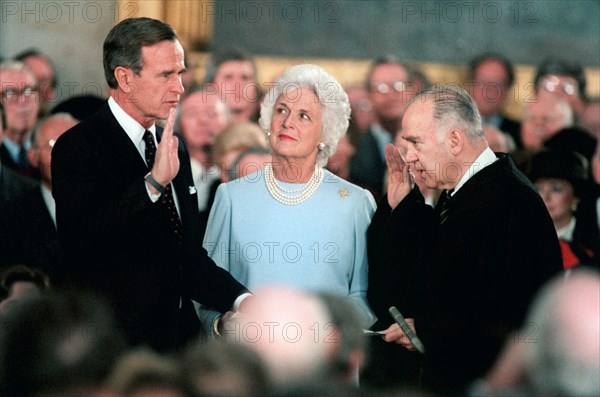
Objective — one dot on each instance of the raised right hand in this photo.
(400, 182)
(166, 162)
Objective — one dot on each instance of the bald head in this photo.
(46, 133)
(543, 118)
(566, 315)
(288, 328)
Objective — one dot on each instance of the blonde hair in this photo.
(238, 136)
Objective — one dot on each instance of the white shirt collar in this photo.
(13, 148)
(49, 201)
(134, 130)
(486, 158)
(382, 137)
(566, 233)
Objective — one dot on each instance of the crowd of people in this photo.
(186, 238)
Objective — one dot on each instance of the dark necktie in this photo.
(22, 160)
(445, 207)
(167, 196)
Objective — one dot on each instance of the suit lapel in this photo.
(117, 146)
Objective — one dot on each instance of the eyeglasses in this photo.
(553, 83)
(12, 95)
(384, 88)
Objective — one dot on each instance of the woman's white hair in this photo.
(331, 95)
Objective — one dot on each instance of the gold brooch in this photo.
(343, 192)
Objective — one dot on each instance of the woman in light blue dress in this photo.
(293, 222)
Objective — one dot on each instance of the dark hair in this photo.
(57, 342)
(143, 368)
(560, 164)
(30, 52)
(80, 106)
(23, 273)
(215, 363)
(220, 57)
(346, 320)
(562, 68)
(34, 52)
(489, 56)
(385, 60)
(123, 45)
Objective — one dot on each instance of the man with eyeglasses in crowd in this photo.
(20, 98)
(389, 85)
(564, 80)
(42, 68)
(388, 82)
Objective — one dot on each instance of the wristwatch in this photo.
(148, 178)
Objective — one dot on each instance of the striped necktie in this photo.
(167, 196)
(446, 207)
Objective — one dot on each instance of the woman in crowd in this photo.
(233, 140)
(293, 222)
(563, 182)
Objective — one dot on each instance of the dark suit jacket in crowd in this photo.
(467, 283)
(367, 167)
(12, 187)
(8, 162)
(512, 128)
(32, 238)
(117, 241)
(13, 184)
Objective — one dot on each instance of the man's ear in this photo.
(456, 140)
(124, 77)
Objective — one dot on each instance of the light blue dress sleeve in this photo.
(216, 239)
(360, 271)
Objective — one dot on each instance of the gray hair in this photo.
(453, 105)
(35, 135)
(334, 102)
(16, 66)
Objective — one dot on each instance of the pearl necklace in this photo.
(292, 196)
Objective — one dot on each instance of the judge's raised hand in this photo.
(166, 162)
(400, 182)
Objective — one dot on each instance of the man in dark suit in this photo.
(126, 206)
(11, 183)
(388, 82)
(20, 97)
(30, 219)
(466, 270)
(491, 76)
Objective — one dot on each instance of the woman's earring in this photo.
(268, 133)
(322, 146)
